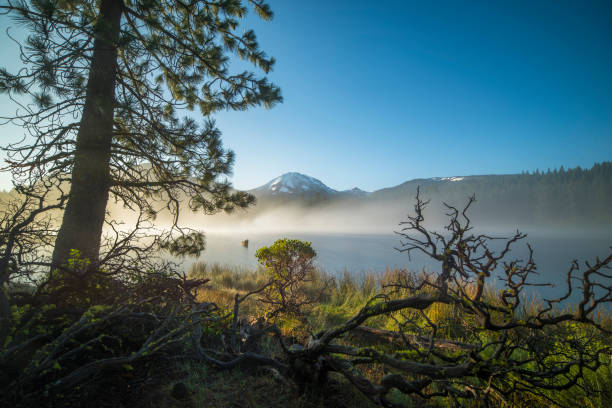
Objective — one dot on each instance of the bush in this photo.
(289, 265)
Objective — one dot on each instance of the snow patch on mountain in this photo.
(448, 178)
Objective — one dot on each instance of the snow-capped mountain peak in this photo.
(290, 183)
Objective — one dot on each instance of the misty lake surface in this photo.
(359, 254)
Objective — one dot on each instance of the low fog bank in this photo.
(332, 218)
(382, 217)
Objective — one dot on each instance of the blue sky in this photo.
(379, 92)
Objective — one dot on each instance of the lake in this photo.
(363, 253)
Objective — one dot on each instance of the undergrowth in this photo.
(344, 296)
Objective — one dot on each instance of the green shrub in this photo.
(289, 266)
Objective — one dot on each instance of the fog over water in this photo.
(359, 238)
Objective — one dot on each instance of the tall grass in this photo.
(346, 294)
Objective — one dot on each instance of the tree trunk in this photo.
(86, 208)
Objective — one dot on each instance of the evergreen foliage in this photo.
(108, 100)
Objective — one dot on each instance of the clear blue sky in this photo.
(379, 92)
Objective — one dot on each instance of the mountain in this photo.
(299, 184)
(293, 183)
(578, 197)
(355, 192)
(434, 184)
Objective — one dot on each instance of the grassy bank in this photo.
(342, 298)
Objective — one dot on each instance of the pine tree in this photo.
(109, 79)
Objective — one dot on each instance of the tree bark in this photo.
(86, 208)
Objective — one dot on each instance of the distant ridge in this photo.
(355, 191)
(299, 183)
(578, 197)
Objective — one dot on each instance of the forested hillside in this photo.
(573, 196)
